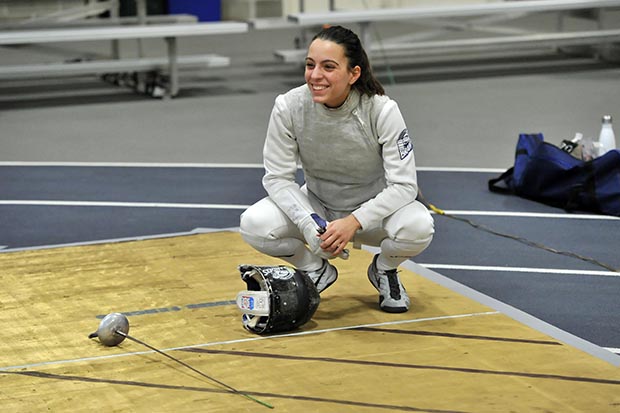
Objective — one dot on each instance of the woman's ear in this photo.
(355, 74)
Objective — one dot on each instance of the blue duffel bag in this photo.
(545, 173)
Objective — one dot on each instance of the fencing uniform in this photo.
(357, 159)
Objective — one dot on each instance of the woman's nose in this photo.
(316, 73)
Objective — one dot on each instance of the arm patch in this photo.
(405, 146)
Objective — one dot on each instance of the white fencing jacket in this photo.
(357, 158)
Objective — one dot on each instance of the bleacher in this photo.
(482, 27)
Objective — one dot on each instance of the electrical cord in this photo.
(522, 240)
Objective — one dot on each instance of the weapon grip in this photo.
(322, 224)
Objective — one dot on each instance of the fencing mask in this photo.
(278, 298)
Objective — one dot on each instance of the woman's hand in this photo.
(339, 233)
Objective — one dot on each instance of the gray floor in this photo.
(471, 122)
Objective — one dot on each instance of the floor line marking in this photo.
(519, 269)
(458, 169)
(244, 340)
(134, 164)
(122, 204)
(212, 165)
(171, 309)
(530, 214)
(40, 202)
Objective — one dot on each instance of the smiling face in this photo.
(327, 73)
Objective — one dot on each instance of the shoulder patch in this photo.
(405, 146)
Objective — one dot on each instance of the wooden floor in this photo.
(447, 354)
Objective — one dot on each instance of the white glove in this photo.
(310, 230)
(311, 227)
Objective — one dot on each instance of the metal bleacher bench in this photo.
(450, 18)
(169, 32)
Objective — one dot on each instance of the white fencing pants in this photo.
(402, 235)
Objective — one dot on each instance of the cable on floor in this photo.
(522, 240)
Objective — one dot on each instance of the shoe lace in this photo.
(392, 277)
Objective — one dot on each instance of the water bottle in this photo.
(606, 139)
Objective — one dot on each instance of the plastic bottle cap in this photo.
(607, 119)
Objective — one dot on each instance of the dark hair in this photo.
(355, 53)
